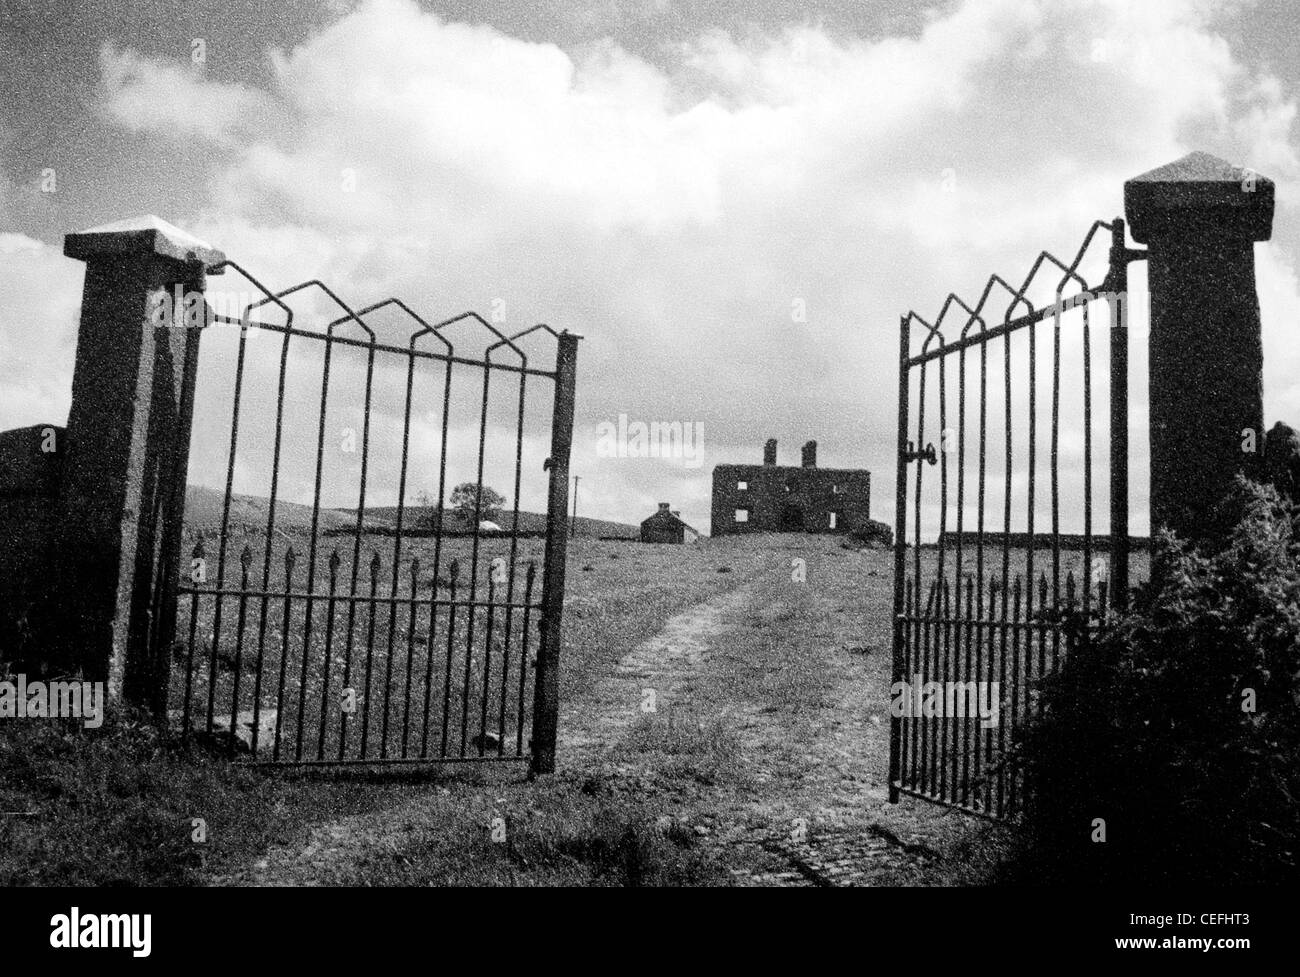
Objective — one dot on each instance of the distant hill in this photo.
(529, 522)
(203, 509)
(248, 513)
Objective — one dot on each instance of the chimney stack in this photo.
(663, 506)
(677, 513)
(769, 452)
(810, 455)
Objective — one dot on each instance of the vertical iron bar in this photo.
(971, 599)
(943, 634)
(356, 545)
(244, 559)
(370, 652)
(1056, 488)
(1043, 627)
(900, 756)
(1006, 509)
(896, 725)
(1016, 677)
(961, 679)
(523, 660)
(1002, 724)
(472, 619)
(945, 723)
(225, 519)
(924, 676)
(412, 610)
(510, 579)
(388, 671)
(428, 664)
(941, 563)
(988, 733)
(470, 612)
(1087, 459)
(198, 554)
(487, 664)
(1119, 568)
(454, 570)
(546, 688)
(505, 662)
(918, 681)
(397, 560)
(1005, 587)
(289, 558)
(257, 680)
(923, 622)
(270, 523)
(329, 651)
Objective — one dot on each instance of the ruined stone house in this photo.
(783, 498)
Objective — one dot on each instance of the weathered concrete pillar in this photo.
(1200, 218)
(122, 493)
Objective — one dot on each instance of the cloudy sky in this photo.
(731, 201)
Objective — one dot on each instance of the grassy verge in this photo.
(783, 718)
(117, 806)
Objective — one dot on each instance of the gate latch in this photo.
(926, 454)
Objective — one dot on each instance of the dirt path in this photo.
(754, 720)
(588, 727)
(652, 675)
(785, 672)
(664, 664)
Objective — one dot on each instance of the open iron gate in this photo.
(974, 629)
(360, 638)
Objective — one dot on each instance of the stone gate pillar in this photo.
(122, 492)
(1200, 218)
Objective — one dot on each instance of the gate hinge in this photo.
(927, 453)
(1119, 258)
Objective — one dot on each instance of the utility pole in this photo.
(573, 523)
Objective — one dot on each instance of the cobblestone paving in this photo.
(829, 859)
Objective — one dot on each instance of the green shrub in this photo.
(1152, 728)
(872, 533)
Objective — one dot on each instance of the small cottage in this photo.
(666, 526)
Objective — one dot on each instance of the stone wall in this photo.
(31, 467)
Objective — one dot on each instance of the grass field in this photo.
(428, 673)
(721, 723)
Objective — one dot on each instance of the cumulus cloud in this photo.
(681, 215)
(152, 95)
(38, 331)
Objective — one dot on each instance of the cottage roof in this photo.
(664, 515)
